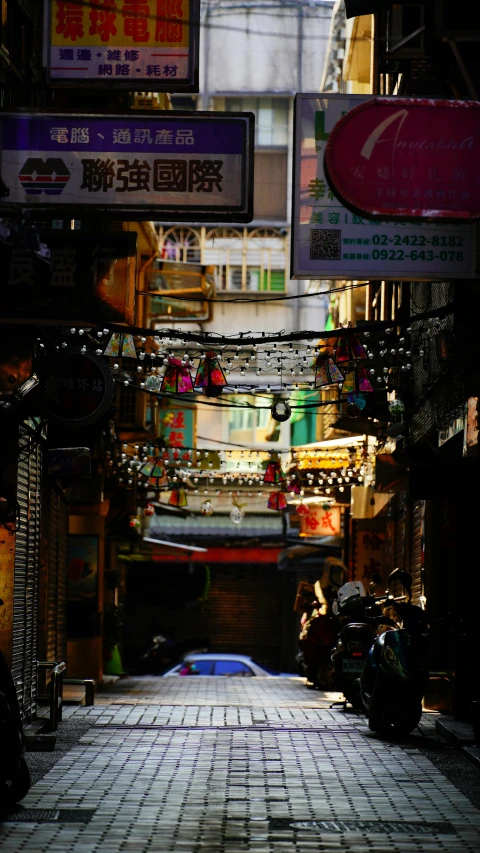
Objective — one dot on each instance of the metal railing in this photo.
(54, 693)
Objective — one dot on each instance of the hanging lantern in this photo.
(177, 379)
(274, 473)
(237, 515)
(357, 400)
(357, 381)
(277, 501)
(149, 510)
(121, 345)
(135, 523)
(210, 376)
(294, 486)
(178, 497)
(281, 411)
(302, 509)
(327, 372)
(348, 348)
(206, 508)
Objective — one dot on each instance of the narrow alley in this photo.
(230, 765)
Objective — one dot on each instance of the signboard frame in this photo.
(364, 250)
(168, 84)
(240, 212)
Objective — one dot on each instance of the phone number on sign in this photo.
(422, 255)
(417, 240)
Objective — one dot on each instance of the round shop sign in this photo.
(78, 389)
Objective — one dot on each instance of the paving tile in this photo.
(186, 765)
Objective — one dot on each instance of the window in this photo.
(271, 119)
(201, 667)
(232, 667)
(249, 425)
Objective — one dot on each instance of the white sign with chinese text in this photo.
(176, 165)
(124, 43)
(331, 242)
(320, 521)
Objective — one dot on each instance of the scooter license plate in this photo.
(350, 665)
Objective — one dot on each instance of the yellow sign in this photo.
(124, 41)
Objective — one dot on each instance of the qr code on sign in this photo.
(325, 244)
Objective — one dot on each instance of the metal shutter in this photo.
(400, 541)
(57, 577)
(416, 548)
(27, 546)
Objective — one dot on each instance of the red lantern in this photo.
(178, 497)
(210, 375)
(348, 348)
(277, 501)
(274, 473)
(177, 379)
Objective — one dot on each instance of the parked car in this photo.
(219, 664)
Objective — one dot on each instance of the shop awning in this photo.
(203, 529)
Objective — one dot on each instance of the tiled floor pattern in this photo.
(220, 790)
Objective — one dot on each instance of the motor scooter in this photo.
(14, 773)
(396, 673)
(354, 640)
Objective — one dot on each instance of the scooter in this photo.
(353, 642)
(396, 673)
(14, 773)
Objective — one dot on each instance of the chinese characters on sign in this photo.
(320, 521)
(153, 42)
(329, 241)
(369, 554)
(407, 157)
(83, 278)
(181, 163)
(178, 431)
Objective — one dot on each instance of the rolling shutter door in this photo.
(400, 542)
(57, 577)
(415, 567)
(27, 547)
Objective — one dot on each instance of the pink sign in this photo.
(407, 158)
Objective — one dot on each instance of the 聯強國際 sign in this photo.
(331, 242)
(124, 43)
(407, 158)
(180, 166)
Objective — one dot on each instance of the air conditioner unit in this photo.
(234, 281)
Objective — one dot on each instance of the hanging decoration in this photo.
(210, 376)
(135, 523)
(294, 485)
(206, 508)
(277, 501)
(274, 473)
(177, 378)
(149, 510)
(327, 372)
(302, 509)
(178, 497)
(237, 514)
(348, 348)
(121, 345)
(357, 381)
(281, 411)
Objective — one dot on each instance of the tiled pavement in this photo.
(227, 765)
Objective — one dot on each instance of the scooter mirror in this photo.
(404, 578)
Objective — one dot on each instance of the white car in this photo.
(218, 664)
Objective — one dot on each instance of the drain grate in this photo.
(367, 826)
(20, 815)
